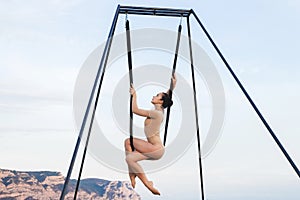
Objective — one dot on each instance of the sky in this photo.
(44, 46)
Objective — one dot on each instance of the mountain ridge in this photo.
(47, 185)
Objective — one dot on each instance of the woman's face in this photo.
(157, 99)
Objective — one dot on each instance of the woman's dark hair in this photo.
(167, 101)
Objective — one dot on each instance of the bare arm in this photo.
(135, 109)
(173, 85)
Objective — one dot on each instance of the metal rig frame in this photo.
(152, 11)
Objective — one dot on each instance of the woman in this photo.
(153, 148)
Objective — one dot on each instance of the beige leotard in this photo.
(152, 132)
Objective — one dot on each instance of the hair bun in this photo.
(167, 101)
(171, 103)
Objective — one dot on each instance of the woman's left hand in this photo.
(174, 81)
(132, 90)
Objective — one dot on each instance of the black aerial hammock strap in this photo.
(130, 79)
(171, 85)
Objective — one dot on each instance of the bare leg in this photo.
(148, 149)
(132, 159)
(143, 150)
(130, 171)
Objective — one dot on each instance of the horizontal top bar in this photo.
(154, 11)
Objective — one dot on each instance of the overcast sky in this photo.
(43, 48)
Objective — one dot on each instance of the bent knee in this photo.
(127, 142)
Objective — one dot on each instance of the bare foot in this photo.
(132, 179)
(149, 185)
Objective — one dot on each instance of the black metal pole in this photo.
(154, 11)
(196, 108)
(94, 109)
(171, 85)
(108, 43)
(249, 98)
(127, 8)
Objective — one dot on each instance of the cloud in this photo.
(22, 77)
(35, 97)
(36, 117)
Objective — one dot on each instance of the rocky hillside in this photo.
(45, 185)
